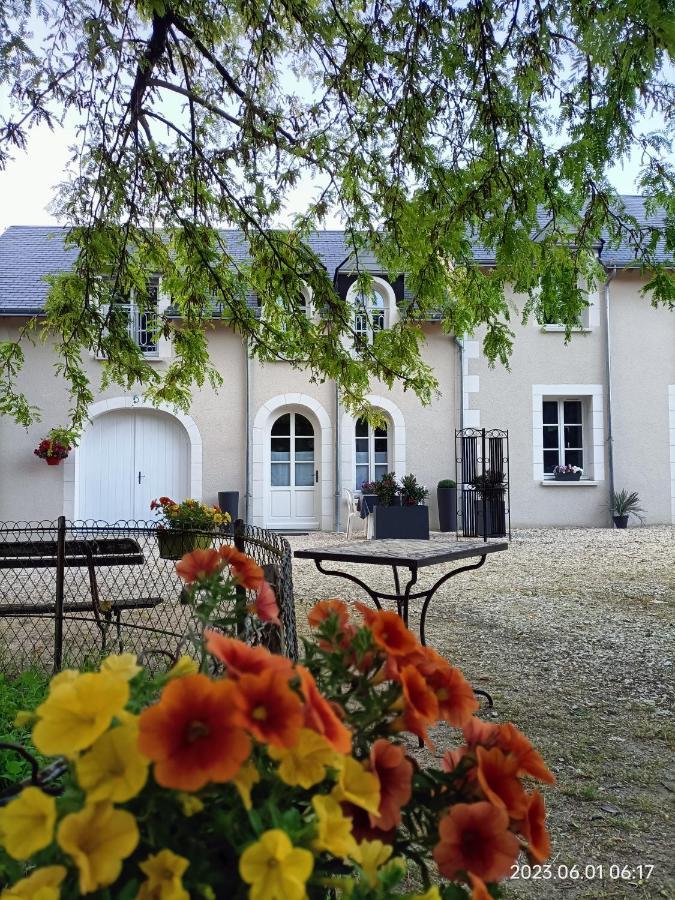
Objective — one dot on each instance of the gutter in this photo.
(608, 374)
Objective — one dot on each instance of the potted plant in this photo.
(186, 526)
(399, 512)
(55, 447)
(446, 495)
(567, 473)
(623, 506)
(369, 496)
(489, 488)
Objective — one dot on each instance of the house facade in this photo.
(605, 402)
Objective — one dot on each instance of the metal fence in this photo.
(70, 591)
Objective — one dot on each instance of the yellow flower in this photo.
(189, 804)
(335, 829)
(27, 823)
(97, 839)
(358, 786)
(185, 665)
(275, 869)
(124, 665)
(42, 884)
(370, 855)
(66, 676)
(432, 894)
(76, 712)
(113, 769)
(244, 780)
(305, 763)
(165, 871)
(24, 717)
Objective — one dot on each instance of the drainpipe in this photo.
(460, 346)
(338, 460)
(608, 372)
(249, 474)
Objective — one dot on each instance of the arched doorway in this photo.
(127, 458)
(294, 472)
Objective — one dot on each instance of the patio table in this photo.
(412, 555)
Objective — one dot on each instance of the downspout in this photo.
(608, 374)
(249, 479)
(338, 461)
(460, 345)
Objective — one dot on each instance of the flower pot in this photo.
(404, 522)
(228, 501)
(175, 544)
(447, 508)
(52, 460)
(494, 506)
(568, 476)
(621, 521)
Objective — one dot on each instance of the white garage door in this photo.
(128, 458)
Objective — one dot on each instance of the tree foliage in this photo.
(428, 125)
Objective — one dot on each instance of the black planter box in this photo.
(495, 513)
(447, 508)
(368, 501)
(620, 521)
(568, 476)
(404, 522)
(228, 501)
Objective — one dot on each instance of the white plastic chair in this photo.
(352, 509)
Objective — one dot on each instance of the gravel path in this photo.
(572, 632)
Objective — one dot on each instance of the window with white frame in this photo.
(369, 317)
(563, 433)
(142, 322)
(371, 452)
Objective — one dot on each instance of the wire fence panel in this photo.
(72, 591)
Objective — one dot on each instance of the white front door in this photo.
(128, 458)
(294, 473)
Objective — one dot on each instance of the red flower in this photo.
(241, 659)
(534, 829)
(245, 570)
(497, 776)
(266, 606)
(321, 716)
(394, 771)
(272, 711)
(475, 839)
(199, 564)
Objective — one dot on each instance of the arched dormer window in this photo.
(374, 310)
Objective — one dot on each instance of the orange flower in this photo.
(390, 633)
(321, 716)
(534, 829)
(452, 758)
(478, 889)
(530, 762)
(497, 776)
(456, 700)
(369, 614)
(194, 734)
(272, 711)
(241, 659)
(245, 570)
(475, 839)
(478, 732)
(325, 608)
(421, 706)
(394, 771)
(199, 564)
(266, 606)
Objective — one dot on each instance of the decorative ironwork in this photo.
(483, 484)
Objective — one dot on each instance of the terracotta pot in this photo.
(52, 460)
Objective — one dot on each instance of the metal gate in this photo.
(482, 476)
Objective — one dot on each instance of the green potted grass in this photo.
(624, 505)
(186, 526)
(446, 495)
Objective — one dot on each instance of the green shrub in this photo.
(447, 483)
(25, 691)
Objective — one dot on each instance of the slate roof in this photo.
(29, 253)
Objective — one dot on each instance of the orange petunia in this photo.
(241, 659)
(456, 700)
(272, 712)
(421, 705)
(452, 758)
(497, 776)
(391, 634)
(478, 889)
(530, 762)
(474, 838)
(478, 732)
(199, 564)
(534, 829)
(325, 608)
(394, 771)
(321, 716)
(195, 733)
(265, 605)
(245, 570)
(369, 614)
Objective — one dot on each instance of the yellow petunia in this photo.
(113, 769)
(244, 780)
(334, 828)
(77, 712)
(371, 855)
(275, 869)
(65, 676)
(42, 884)
(432, 894)
(97, 839)
(304, 763)
(164, 871)
(189, 804)
(185, 665)
(358, 786)
(23, 718)
(27, 823)
(124, 665)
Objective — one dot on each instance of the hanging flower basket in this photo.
(54, 447)
(175, 544)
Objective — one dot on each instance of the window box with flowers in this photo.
(567, 473)
(186, 526)
(400, 511)
(55, 447)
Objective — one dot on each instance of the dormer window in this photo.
(370, 316)
(143, 323)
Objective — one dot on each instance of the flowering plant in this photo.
(272, 780)
(412, 492)
(188, 514)
(55, 446)
(566, 470)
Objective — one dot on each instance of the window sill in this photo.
(560, 329)
(584, 482)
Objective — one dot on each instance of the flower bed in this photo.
(271, 780)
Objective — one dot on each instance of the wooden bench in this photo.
(89, 554)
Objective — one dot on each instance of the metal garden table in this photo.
(411, 555)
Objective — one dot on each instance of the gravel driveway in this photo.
(572, 633)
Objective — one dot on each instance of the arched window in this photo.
(369, 317)
(371, 452)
